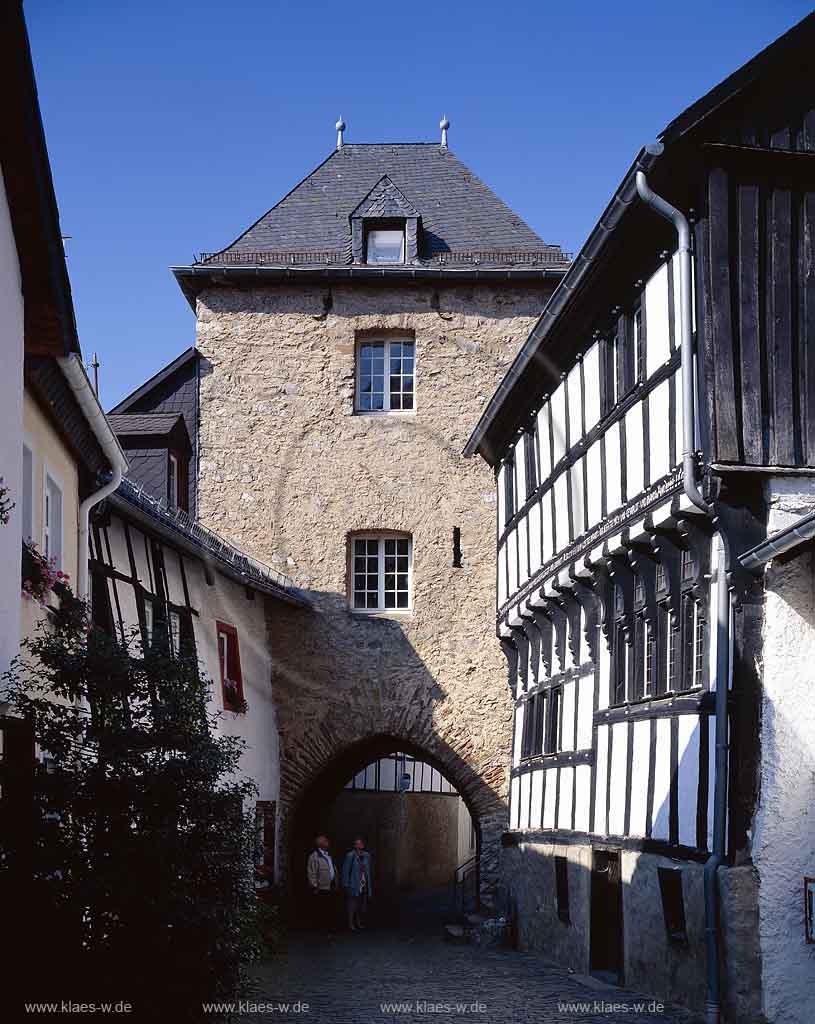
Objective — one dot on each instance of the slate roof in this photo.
(144, 423)
(463, 221)
(188, 533)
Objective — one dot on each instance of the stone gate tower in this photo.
(348, 341)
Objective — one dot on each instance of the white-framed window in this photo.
(175, 634)
(172, 481)
(52, 520)
(385, 375)
(149, 621)
(385, 245)
(27, 510)
(382, 568)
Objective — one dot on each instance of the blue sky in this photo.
(173, 125)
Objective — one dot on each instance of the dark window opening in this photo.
(531, 463)
(673, 904)
(509, 489)
(562, 888)
(456, 547)
(639, 345)
(552, 744)
(619, 665)
(532, 741)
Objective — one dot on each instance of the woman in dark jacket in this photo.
(356, 883)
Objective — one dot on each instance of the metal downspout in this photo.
(680, 222)
(716, 859)
(74, 371)
(691, 490)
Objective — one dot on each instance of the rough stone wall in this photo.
(652, 964)
(288, 470)
(784, 835)
(413, 838)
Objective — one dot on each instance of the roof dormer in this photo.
(385, 226)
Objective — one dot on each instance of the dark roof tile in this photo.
(460, 214)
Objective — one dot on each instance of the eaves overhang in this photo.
(194, 279)
(196, 540)
(484, 439)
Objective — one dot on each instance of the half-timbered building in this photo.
(654, 430)
(158, 576)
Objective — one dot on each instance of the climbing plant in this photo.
(137, 859)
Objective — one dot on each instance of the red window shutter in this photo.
(231, 671)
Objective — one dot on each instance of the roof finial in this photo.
(340, 126)
(444, 124)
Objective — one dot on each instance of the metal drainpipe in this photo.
(80, 385)
(691, 489)
(716, 859)
(680, 222)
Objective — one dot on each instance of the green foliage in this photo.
(143, 847)
(6, 504)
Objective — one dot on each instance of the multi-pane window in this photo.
(149, 622)
(381, 573)
(385, 375)
(52, 521)
(534, 725)
(552, 742)
(174, 625)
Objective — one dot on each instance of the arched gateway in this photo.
(306, 798)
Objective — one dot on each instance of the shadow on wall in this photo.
(351, 688)
(413, 837)
(629, 912)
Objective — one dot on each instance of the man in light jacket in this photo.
(322, 880)
(356, 883)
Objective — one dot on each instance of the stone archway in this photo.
(347, 687)
(307, 790)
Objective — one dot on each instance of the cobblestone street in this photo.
(412, 975)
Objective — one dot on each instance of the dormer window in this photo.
(385, 227)
(385, 245)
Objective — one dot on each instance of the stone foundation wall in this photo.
(784, 834)
(652, 964)
(288, 471)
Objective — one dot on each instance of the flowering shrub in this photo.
(40, 575)
(5, 505)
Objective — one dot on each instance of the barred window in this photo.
(385, 375)
(381, 569)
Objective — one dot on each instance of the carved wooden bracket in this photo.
(511, 654)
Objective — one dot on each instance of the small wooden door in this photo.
(606, 915)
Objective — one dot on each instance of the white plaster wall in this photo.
(227, 602)
(224, 601)
(11, 426)
(784, 836)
